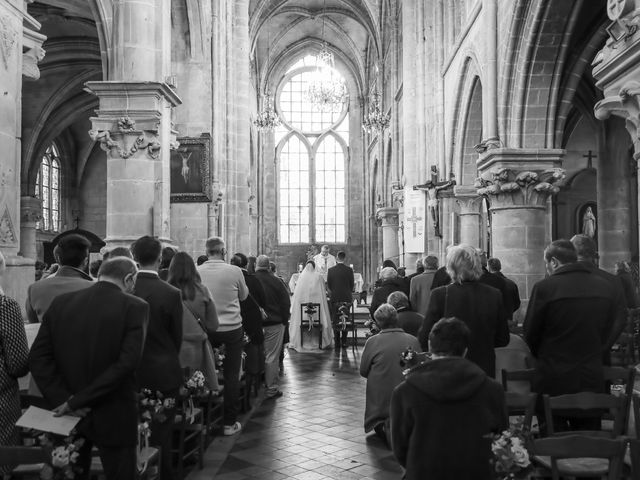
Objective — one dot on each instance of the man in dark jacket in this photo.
(511, 289)
(277, 306)
(588, 257)
(84, 361)
(443, 412)
(160, 369)
(441, 278)
(250, 306)
(496, 281)
(568, 324)
(340, 284)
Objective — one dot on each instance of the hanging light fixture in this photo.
(267, 120)
(327, 90)
(375, 120)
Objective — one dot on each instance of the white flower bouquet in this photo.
(510, 454)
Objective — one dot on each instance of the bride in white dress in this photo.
(310, 289)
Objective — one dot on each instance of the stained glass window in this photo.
(48, 190)
(312, 151)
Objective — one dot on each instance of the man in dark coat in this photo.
(568, 324)
(511, 289)
(496, 281)
(340, 284)
(440, 278)
(588, 257)
(84, 361)
(442, 414)
(420, 289)
(277, 306)
(160, 369)
(250, 306)
(388, 283)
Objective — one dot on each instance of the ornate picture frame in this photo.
(189, 166)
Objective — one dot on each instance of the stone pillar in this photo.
(133, 122)
(30, 214)
(20, 52)
(616, 71)
(388, 221)
(470, 217)
(138, 150)
(518, 184)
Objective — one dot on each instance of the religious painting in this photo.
(587, 220)
(190, 169)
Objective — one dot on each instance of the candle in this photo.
(351, 266)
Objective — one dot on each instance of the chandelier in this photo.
(327, 91)
(267, 120)
(375, 120)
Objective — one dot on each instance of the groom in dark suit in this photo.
(340, 283)
(160, 369)
(84, 361)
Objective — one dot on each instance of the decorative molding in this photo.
(467, 199)
(627, 106)
(513, 187)
(8, 39)
(30, 60)
(30, 209)
(120, 147)
(7, 233)
(387, 217)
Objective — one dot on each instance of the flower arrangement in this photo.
(154, 406)
(510, 455)
(409, 358)
(219, 355)
(373, 327)
(65, 452)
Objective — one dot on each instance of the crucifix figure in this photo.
(414, 219)
(186, 170)
(432, 187)
(590, 156)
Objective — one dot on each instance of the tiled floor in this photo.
(313, 432)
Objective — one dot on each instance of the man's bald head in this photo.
(585, 247)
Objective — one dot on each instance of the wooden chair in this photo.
(188, 440)
(626, 378)
(524, 377)
(212, 412)
(521, 404)
(27, 462)
(580, 456)
(307, 312)
(585, 405)
(346, 318)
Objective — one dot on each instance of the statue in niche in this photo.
(433, 187)
(589, 223)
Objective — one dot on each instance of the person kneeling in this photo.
(443, 412)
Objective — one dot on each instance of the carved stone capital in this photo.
(32, 51)
(468, 200)
(387, 217)
(508, 187)
(626, 105)
(397, 197)
(30, 209)
(125, 144)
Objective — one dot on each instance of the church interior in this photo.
(386, 129)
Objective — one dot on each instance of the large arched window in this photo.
(48, 190)
(312, 149)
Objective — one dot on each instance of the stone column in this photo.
(518, 184)
(470, 217)
(20, 52)
(616, 71)
(133, 122)
(388, 221)
(30, 214)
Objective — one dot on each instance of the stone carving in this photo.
(126, 124)
(30, 209)
(8, 38)
(7, 233)
(520, 187)
(30, 60)
(625, 105)
(118, 148)
(589, 224)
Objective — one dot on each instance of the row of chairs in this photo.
(609, 453)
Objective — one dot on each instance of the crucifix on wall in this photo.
(590, 156)
(433, 187)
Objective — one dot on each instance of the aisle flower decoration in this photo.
(510, 455)
(64, 453)
(154, 406)
(409, 358)
(373, 328)
(194, 387)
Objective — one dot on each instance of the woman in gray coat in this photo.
(380, 365)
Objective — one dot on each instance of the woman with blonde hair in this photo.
(14, 352)
(479, 306)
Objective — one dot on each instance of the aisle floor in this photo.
(313, 432)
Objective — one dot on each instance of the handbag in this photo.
(196, 351)
(263, 312)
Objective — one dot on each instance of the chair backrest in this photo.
(581, 446)
(585, 404)
(521, 404)
(626, 377)
(636, 413)
(14, 456)
(517, 376)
